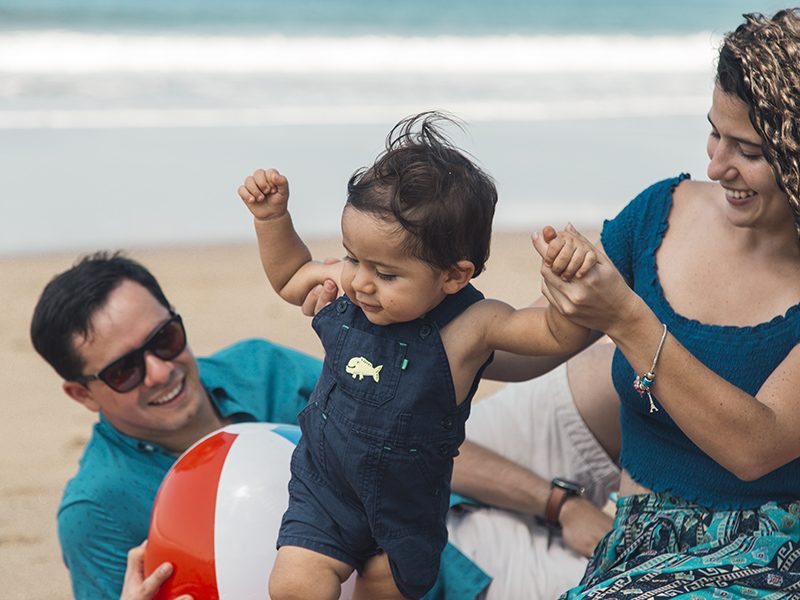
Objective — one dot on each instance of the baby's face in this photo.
(386, 283)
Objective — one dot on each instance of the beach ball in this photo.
(217, 513)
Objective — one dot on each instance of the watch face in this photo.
(571, 487)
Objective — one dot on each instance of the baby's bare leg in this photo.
(376, 581)
(302, 574)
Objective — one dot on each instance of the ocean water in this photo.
(126, 123)
(349, 17)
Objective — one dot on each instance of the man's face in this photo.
(170, 403)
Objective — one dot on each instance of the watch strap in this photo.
(555, 501)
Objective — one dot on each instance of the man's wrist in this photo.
(572, 506)
(560, 491)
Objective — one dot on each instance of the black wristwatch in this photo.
(560, 490)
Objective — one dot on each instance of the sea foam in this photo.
(79, 52)
(79, 80)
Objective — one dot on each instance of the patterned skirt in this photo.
(664, 547)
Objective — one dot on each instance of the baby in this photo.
(405, 348)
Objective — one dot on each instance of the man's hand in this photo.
(321, 295)
(266, 194)
(136, 586)
(583, 525)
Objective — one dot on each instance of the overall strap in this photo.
(453, 305)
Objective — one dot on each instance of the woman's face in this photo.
(752, 196)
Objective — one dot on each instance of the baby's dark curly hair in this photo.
(441, 199)
(760, 63)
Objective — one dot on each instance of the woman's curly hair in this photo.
(760, 63)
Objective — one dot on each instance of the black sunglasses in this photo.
(127, 372)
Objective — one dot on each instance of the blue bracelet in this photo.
(645, 381)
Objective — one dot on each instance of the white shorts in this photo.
(536, 425)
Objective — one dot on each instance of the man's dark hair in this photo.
(438, 196)
(69, 301)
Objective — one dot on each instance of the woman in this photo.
(711, 325)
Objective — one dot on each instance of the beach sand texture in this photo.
(223, 297)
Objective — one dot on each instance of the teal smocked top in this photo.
(655, 451)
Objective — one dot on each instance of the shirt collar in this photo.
(226, 405)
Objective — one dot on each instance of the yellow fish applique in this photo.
(360, 367)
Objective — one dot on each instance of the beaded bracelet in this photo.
(644, 382)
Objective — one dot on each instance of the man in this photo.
(108, 330)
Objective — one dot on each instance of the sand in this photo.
(223, 297)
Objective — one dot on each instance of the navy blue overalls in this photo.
(372, 468)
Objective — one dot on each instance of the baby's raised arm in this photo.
(285, 257)
(569, 255)
(541, 330)
(532, 331)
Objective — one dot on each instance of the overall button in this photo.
(341, 306)
(444, 449)
(424, 331)
(447, 422)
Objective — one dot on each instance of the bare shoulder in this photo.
(693, 192)
(485, 311)
(694, 201)
(471, 326)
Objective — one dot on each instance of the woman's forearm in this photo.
(736, 429)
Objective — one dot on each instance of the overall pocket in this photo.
(368, 367)
(310, 454)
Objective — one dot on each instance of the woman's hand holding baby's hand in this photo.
(568, 253)
(266, 194)
(597, 297)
